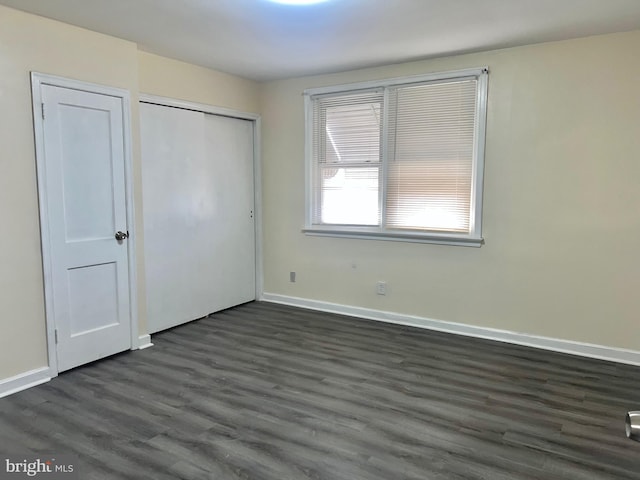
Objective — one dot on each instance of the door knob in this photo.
(121, 236)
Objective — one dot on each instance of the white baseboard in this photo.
(144, 341)
(24, 380)
(601, 352)
(35, 377)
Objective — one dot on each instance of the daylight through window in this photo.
(398, 159)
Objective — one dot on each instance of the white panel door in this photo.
(198, 195)
(86, 206)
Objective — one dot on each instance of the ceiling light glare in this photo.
(298, 2)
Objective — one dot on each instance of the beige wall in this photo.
(172, 78)
(30, 43)
(562, 202)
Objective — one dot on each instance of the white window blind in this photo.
(431, 138)
(398, 159)
(346, 144)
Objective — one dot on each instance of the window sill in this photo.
(435, 238)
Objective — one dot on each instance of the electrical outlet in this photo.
(381, 288)
(292, 277)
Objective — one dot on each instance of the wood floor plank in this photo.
(269, 392)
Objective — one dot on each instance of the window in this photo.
(400, 159)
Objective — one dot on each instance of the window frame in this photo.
(474, 237)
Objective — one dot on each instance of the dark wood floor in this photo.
(270, 392)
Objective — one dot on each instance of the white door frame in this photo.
(37, 81)
(257, 166)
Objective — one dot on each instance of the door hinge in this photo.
(42, 108)
(55, 334)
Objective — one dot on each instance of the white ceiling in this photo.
(262, 40)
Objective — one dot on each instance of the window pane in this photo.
(433, 195)
(422, 176)
(353, 133)
(431, 155)
(349, 196)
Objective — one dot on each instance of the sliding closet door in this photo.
(229, 147)
(198, 194)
